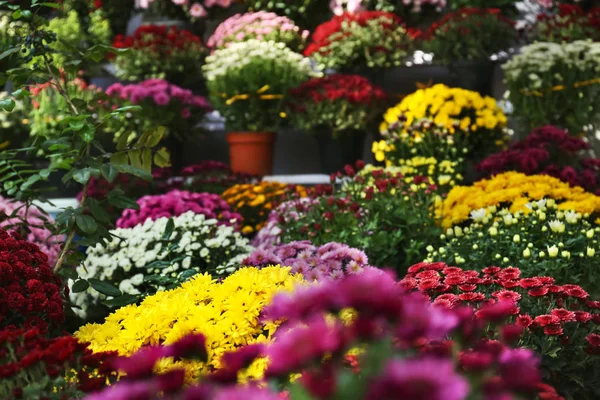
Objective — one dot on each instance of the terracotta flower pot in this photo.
(251, 152)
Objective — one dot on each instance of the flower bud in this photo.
(526, 253)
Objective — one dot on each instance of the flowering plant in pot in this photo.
(342, 107)
(449, 124)
(365, 39)
(415, 12)
(541, 241)
(559, 322)
(255, 201)
(259, 25)
(404, 352)
(570, 23)
(161, 52)
(167, 316)
(548, 150)
(513, 190)
(557, 84)
(248, 83)
(155, 255)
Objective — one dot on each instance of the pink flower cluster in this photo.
(194, 8)
(160, 93)
(330, 261)
(13, 218)
(175, 203)
(257, 25)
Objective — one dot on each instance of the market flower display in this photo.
(570, 23)
(36, 366)
(513, 190)
(30, 293)
(255, 201)
(330, 261)
(559, 322)
(555, 83)
(194, 10)
(160, 254)
(552, 151)
(160, 52)
(469, 34)
(259, 25)
(404, 8)
(248, 82)
(541, 240)
(213, 177)
(336, 105)
(226, 313)
(368, 38)
(32, 224)
(175, 203)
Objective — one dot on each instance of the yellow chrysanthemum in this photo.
(227, 313)
(515, 190)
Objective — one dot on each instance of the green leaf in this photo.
(155, 137)
(135, 158)
(186, 275)
(119, 159)
(168, 229)
(98, 212)
(82, 175)
(20, 94)
(79, 286)
(51, 5)
(159, 264)
(122, 142)
(30, 182)
(86, 223)
(109, 172)
(135, 171)
(68, 273)
(126, 108)
(117, 199)
(106, 288)
(7, 104)
(121, 301)
(162, 158)
(147, 160)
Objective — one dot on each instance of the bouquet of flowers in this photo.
(336, 104)
(541, 240)
(557, 84)
(255, 201)
(163, 104)
(559, 322)
(156, 255)
(369, 38)
(35, 366)
(330, 261)
(469, 34)
(261, 26)
(404, 351)
(213, 177)
(32, 224)
(570, 23)
(407, 9)
(30, 292)
(162, 52)
(442, 122)
(193, 9)
(175, 203)
(513, 190)
(203, 305)
(551, 151)
(248, 82)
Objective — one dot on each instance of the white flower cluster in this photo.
(239, 55)
(201, 244)
(541, 58)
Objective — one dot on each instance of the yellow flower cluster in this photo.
(255, 201)
(450, 108)
(380, 149)
(514, 189)
(227, 313)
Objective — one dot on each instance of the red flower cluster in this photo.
(354, 89)
(463, 15)
(29, 290)
(541, 311)
(551, 151)
(322, 35)
(27, 355)
(570, 23)
(157, 38)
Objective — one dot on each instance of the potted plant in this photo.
(163, 104)
(307, 13)
(338, 110)
(248, 83)
(465, 41)
(415, 12)
(259, 25)
(557, 84)
(570, 23)
(162, 52)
